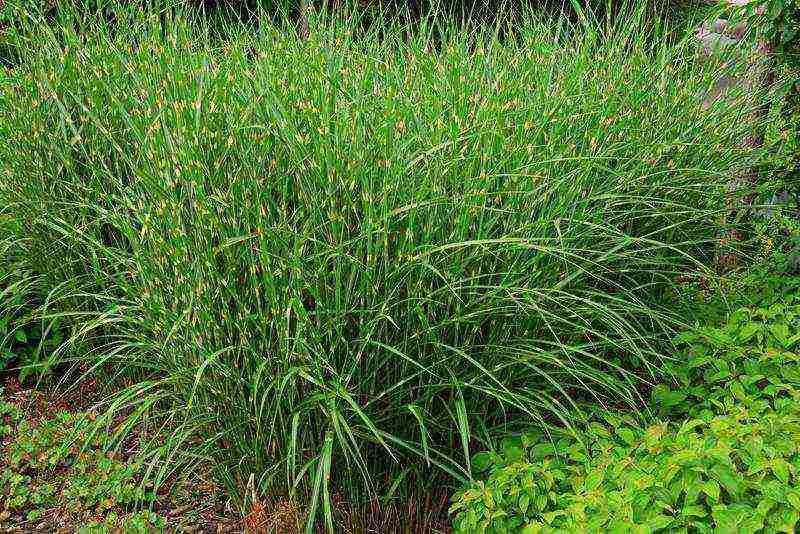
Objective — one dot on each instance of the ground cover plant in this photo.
(57, 477)
(337, 264)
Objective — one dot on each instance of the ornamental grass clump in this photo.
(322, 263)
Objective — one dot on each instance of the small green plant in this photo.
(142, 522)
(57, 460)
(27, 346)
(10, 415)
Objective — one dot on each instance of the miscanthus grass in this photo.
(340, 262)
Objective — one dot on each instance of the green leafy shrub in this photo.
(735, 361)
(727, 460)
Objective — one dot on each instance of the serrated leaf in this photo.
(793, 498)
(531, 437)
(711, 489)
(627, 435)
(666, 398)
(748, 331)
(780, 468)
(694, 510)
(593, 480)
(659, 522)
(764, 506)
(512, 448)
(596, 429)
(690, 425)
(482, 461)
(781, 332)
(738, 390)
(725, 476)
(542, 450)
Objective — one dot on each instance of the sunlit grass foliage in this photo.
(324, 262)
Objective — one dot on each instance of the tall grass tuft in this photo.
(327, 262)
